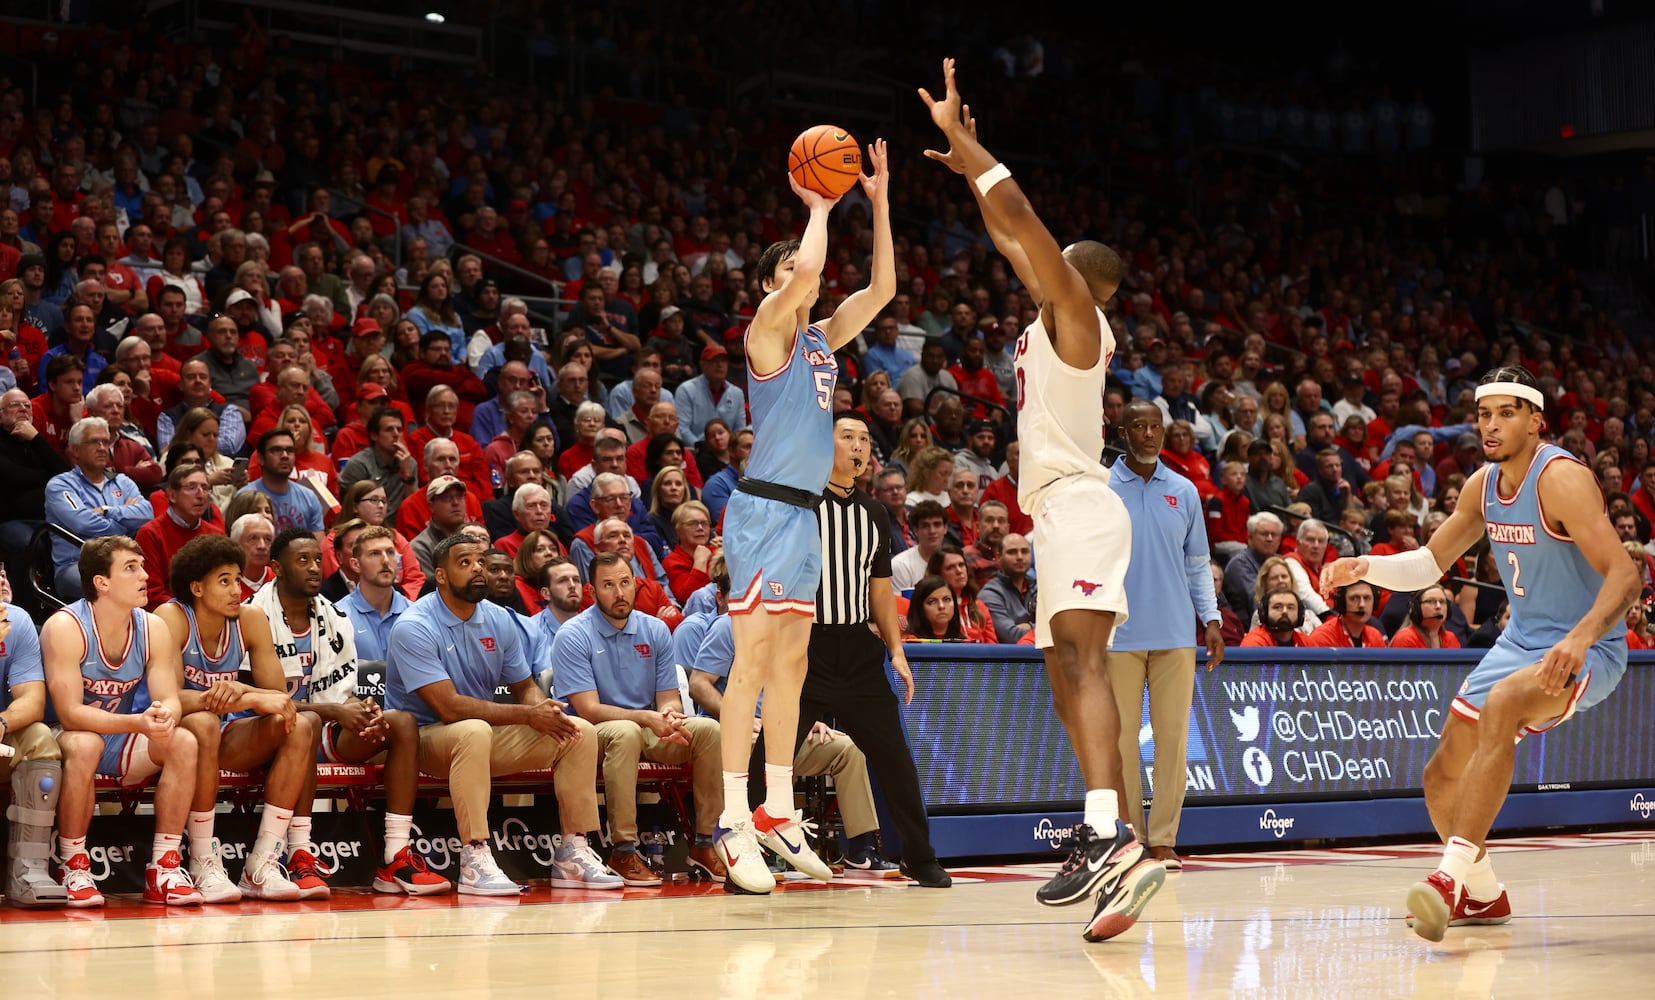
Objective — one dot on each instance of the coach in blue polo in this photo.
(613, 665)
(1170, 587)
(447, 654)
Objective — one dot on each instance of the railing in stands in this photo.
(347, 30)
(341, 200)
(42, 577)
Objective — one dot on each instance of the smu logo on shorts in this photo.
(488, 642)
(1086, 587)
(1511, 534)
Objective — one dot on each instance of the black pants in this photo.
(847, 688)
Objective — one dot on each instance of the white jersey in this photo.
(1059, 413)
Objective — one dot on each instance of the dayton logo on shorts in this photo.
(1172, 501)
(1086, 587)
(775, 588)
(488, 642)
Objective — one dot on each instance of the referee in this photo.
(846, 678)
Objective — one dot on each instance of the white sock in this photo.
(1103, 808)
(735, 800)
(399, 831)
(1457, 858)
(298, 835)
(200, 829)
(68, 847)
(778, 790)
(1480, 882)
(273, 823)
(163, 843)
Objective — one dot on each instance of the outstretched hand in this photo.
(952, 159)
(1342, 573)
(811, 199)
(946, 113)
(879, 185)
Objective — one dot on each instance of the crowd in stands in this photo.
(243, 291)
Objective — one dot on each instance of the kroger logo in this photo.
(1642, 806)
(1277, 825)
(1054, 836)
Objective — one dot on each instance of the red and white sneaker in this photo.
(304, 870)
(1433, 904)
(1478, 912)
(408, 873)
(76, 876)
(166, 881)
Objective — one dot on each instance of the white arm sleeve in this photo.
(1405, 571)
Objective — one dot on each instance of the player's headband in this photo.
(1518, 389)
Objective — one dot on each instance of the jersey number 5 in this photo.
(824, 389)
(1516, 574)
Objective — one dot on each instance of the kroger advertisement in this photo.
(986, 739)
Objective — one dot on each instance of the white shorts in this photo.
(1082, 542)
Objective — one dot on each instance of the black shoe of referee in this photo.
(1092, 861)
(928, 874)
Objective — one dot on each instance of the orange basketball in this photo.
(826, 160)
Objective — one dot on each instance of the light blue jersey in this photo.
(201, 669)
(112, 687)
(793, 416)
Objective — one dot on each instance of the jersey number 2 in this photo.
(1516, 574)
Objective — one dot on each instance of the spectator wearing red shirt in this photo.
(1181, 456)
(976, 379)
(1227, 511)
(438, 457)
(435, 367)
(288, 385)
(1004, 490)
(1349, 628)
(1643, 499)
(1279, 621)
(1426, 618)
(188, 498)
(122, 286)
(62, 402)
(688, 563)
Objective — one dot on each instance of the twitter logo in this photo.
(1246, 723)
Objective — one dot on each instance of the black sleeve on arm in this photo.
(882, 525)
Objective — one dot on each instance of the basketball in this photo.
(825, 159)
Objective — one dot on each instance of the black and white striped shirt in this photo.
(856, 547)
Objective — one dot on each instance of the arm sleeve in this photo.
(1197, 570)
(571, 663)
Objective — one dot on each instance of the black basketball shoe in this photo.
(1092, 861)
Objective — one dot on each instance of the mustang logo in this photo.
(1086, 587)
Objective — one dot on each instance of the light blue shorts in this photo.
(774, 554)
(1605, 666)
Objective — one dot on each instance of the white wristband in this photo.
(993, 175)
(1405, 571)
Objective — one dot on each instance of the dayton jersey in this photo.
(1550, 584)
(201, 669)
(793, 416)
(1059, 413)
(297, 660)
(113, 687)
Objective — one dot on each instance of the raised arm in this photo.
(1410, 571)
(776, 319)
(1004, 241)
(861, 306)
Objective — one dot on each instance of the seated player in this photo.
(100, 653)
(30, 758)
(237, 726)
(317, 647)
(631, 696)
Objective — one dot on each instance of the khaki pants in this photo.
(623, 744)
(469, 752)
(840, 759)
(1169, 674)
(32, 742)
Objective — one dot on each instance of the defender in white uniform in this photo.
(1081, 534)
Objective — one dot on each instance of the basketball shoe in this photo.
(407, 872)
(481, 876)
(576, 866)
(738, 848)
(1477, 912)
(1092, 862)
(166, 881)
(787, 836)
(1123, 898)
(209, 876)
(1433, 903)
(305, 871)
(78, 882)
(262, 877)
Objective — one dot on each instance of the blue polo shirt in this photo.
(541, 629)
(429, 644)
(295, 507)
(703, 600)
(373, 633)
(625, 666)
(892, 360)
(19, 655)
(1169, 579)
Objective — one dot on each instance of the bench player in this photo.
(1081, 534)
(771, 542)
(1563, 649)
(101, 653)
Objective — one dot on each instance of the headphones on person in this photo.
(1338, 601)
(1298, 602)
(1416, 614)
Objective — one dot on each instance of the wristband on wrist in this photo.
(993, 175)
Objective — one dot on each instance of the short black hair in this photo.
(772, 258)
(197, 558)
(854, 417)
(433, 336)
(1514, 373)
(288, 537)
(271, 435)
(382, 414)
(927, 510)
(440, 551)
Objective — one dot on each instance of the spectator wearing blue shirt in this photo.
(885, 354)
(516, 346)
(489, 418)
(34, 768)
(293, 504)
(79, 328)
(1154, 648)
(376, 605)
(91, 500)
(709, 395)
(613, 665)
(560, 585)
(448, 653)
(716, 491)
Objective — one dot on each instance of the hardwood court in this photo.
(1291, 924)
